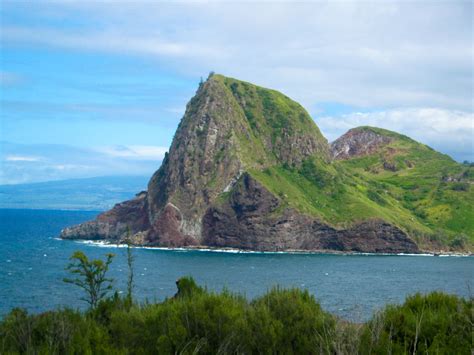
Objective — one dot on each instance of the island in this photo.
(249, 169)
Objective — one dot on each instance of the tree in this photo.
(90, 276)
(130, 260)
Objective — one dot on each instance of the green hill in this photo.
(434, 191)
(402, 181)
(249, 168)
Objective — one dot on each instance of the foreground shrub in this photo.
(58, 332)
(205, 322)
(90, 276)
(282, 321)
(290, 322)
(436, 323)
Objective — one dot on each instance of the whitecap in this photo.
(106, 244)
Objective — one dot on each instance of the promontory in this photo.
(248, 168)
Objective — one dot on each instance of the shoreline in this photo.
(106, 244)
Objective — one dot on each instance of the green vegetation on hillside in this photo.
(269, 112)
(437, 213)
(270, 119)
(432, 188)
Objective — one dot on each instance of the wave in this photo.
(105, 244)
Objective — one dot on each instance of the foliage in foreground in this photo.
(285, 321)
(90, 276)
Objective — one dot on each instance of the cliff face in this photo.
(248, 168)
(358, 142)
(217, 140)
(249, 219)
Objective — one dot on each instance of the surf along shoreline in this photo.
(106, 244)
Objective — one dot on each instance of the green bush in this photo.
(56, 332)
(460, 186)
(283, 321)
(435, 323)
(316, 172)
(459, 242)
(375, 196)
(290, 322)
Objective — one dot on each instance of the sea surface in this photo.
(33, 261)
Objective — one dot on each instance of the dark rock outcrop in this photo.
(123, 220)
(248, 220)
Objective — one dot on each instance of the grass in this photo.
(270, 119)
(339, 198)
(422, 188)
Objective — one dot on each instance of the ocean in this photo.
(33, 262)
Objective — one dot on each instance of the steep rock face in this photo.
(201, 162)
(221, 135)
(358, 142)
(207, 192)
(249, 219)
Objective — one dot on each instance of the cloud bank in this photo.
(24, 163)
(400, 65)
(365, 54)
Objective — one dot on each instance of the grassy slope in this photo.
(341, 193)
(269, 115)
(418, 185)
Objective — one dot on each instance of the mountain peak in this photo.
(360, 141)
(249, 168)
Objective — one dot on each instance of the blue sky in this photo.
(96, 88)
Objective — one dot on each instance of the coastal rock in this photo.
(210, 191)
(123, 221)
(248, 220)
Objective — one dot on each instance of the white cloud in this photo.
(407, 62)
(445, 130)
(20, 158)
(24, 163)
(367, 54)
(8, 79)
(71, 167)
(139, 152)
(177, 110)
(112, 41)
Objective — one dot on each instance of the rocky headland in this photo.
(248, 168)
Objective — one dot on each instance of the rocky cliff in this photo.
(248, 168)
(358, 142)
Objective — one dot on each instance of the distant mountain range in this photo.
(248, 168)
(94, 194)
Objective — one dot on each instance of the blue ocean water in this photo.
(32, 262)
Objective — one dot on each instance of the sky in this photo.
(98, 87)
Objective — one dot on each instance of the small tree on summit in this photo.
(90, 276)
